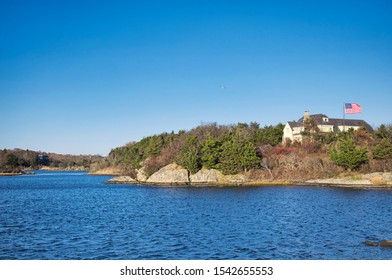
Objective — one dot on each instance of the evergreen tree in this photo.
(347, 155)
(154, 145)
(211, 152)
(384, 132)
(383, 150)
(189, 155)
(238, 154)
(271, 135)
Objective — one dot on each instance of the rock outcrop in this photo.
(174, 174)
(205, 176)
(236, 179)
(371, 243)
(141, 175)
(386, 243)
(340, 181)
(170, 174)
(122, 180)
(371, 179)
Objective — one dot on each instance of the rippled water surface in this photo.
(69, 215)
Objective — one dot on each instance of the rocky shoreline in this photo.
(10, 174)
(174, 175)
(374, 180)
(30, 171)
(16, 173)
(73, 168)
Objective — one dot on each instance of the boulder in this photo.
(141, 175)
(371, 243)
(234, 179)
(170, 174)
(122, 180)
(205, 176)
(386, 243)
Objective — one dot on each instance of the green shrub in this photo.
(383, 150)
(347, 155)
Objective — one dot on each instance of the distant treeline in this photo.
(257, 151)
(13, 161)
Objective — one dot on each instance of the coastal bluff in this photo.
(173, 174)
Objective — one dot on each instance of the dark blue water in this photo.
(69, 215)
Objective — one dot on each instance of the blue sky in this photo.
(83, 77)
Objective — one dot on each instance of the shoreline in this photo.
(17, 173)
(120, 180)
(46, 168)
(31, 171)
(11, 174)
(329, 182)
(175, 175)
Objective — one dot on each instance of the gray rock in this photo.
(386, 243)
(122, 179)
(337, 181)
(170, 174)
(234, 179)
(371, 243)
(141, 175)
(206, 176)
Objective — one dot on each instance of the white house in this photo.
(293, 130)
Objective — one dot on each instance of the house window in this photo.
(325, 119)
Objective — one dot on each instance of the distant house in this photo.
(294, 130)
(43, 159)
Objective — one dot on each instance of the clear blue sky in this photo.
(85, 77)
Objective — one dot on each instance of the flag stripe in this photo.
(352, 108)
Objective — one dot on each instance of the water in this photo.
(69, 215)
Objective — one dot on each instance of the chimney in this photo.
(306, 115)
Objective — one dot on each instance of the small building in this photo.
(43, 159)
(294, 130)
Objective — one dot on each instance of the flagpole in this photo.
(344, 119)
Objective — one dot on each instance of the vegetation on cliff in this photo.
(257, 152)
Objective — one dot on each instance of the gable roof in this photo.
(294, 124)
(350, 122)
(319, 118)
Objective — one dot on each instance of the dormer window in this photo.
(325, 119)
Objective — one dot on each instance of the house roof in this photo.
(294, 124)
(319, 118)
(350, 122)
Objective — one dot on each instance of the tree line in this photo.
(15, 160)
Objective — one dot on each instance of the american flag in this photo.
(352, 108)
